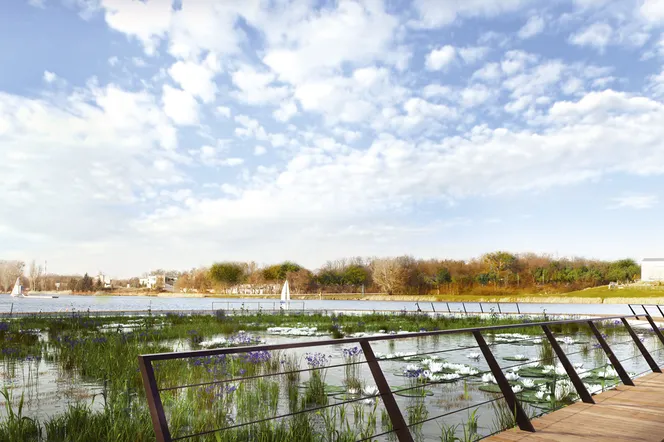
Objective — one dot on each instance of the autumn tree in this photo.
(388, 274)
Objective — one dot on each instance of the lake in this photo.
(69, 303)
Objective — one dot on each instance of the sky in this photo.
(171, 134)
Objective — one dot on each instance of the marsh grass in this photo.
(105, 350)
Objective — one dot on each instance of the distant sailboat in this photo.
(285, 295)
(18, 289)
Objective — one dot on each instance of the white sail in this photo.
(18, 290)
(285, 294)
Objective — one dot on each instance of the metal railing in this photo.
(396, 417)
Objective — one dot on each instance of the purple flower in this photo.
(352, 352)
(317, 360)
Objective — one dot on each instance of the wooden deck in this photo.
(623, 414)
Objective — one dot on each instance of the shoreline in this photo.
(503, 299)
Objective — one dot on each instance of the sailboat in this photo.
(18, 289)
(285, 296)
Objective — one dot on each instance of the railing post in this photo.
(660, 310)
(464, 307)
(521, 417)
(481, 309)
(499, 310)
(569, 368)
(155, 405)
(448, 307)
(644, 351)
(398, 422)
(517, 308)
(624, 377)
(656, 329)
(633, 312)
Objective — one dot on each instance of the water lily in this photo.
(370, 390)
(511, 376)
(488, 378)
(517, 388)
(528, 383)
(473, 355)
(436, 367)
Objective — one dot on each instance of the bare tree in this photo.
(35, 273)
(9, 271)
(389, 274)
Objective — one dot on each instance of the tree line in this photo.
(496, 271)
(407, 275)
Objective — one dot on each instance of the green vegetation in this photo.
(104, 351)
(494, 274)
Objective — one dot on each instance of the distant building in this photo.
(104, 280)
(153, 281)
(652, 269)
(149, 282)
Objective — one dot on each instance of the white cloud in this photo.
(436, 13)
(533, 26)
(437, 90)
(475, 95)
(259, 150)
(180, 106)
(653, 10)
(224, 111)
(597, 35)
(256, 87)
(286, 111)
(90, 153)
(656, 84)
(516, 61)
(490, 72)
(49, 77)
(439, 59)
(473, 54)
(196, 79)
(147, 21)
(315, 43)
(573, 86)
(638, 202)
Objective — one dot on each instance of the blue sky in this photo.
(136, 135)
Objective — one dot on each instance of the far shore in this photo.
(598, 295)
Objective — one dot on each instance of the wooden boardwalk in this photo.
(623, 414)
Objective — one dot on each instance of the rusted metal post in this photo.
(521, 417)
(481, 309)
(464, 307)
(569, 368)
(624, 377)
(399, 425)
(448, 307)
(159, 423)
(644, 351)
(517, 308)
(499, 311)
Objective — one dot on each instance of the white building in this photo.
(652, 269)
(104, 280)
(149, 282)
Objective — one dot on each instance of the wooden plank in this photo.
(627, 413)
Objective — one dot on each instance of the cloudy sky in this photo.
(161, 133)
